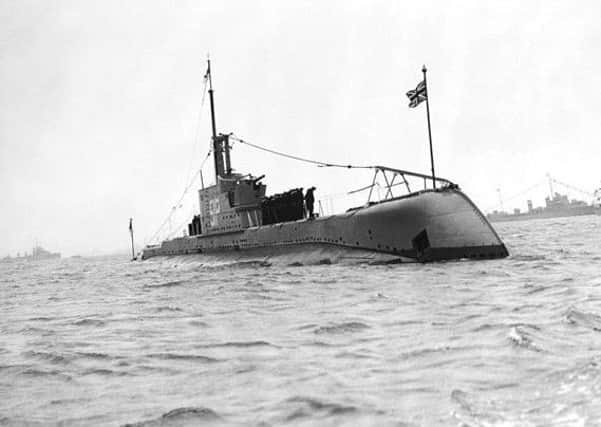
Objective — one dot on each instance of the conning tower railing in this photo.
(393, 178)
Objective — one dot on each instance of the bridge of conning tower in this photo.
(234, 202)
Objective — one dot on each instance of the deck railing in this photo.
(401, 178)
(387, 183)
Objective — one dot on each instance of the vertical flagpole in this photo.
(429, 129)
(131, 232)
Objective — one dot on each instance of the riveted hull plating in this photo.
(432, 225)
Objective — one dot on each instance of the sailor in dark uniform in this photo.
(309, 201)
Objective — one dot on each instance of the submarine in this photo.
(437, 222)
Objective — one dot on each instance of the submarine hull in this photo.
(427, 226)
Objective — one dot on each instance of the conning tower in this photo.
(234, 202)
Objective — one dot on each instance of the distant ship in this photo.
(37, 253)
(557, 205)
(436, 223)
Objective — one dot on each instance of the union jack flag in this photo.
(417, 95)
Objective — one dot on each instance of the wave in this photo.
(311, 407)
(38, 373)
(144, 370)
(188, 357)
(217, 264)
(519, 337)
(16, 367)
(93, 355)
(167, 308)
(241, 344)
(200, 323)
(461, 398)
(51, 357)
(475, 412)
(536, 289)
(427, 351)
(66, 401)
(32, 330)
(181, 416)
(525, 257)
(323, 344)
(341, 328)
(105, 372)
(486, 327)
(393, 261)
(166, 284)
(307, 326)
(6, 421)
(352, 355)
(89, 322)
(583, 318)
(301, 255)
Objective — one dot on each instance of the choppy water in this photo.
(102, 341)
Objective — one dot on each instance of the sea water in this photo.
(191, 341)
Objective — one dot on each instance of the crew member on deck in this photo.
(309, 200)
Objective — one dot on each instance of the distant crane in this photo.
(552, 193)
(500, 200)
(595, 195)
(571, 187)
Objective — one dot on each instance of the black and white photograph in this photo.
(300, 213)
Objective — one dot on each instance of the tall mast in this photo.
(216, 145)
(220, 142)
(211, 99)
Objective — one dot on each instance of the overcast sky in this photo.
(101, 119)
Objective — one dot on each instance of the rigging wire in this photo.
(298, 158)
(540, 183)
(179, 202)
(198, 122)
(521, 193)
(179, 227)
(240, 140)
(268, 150)
(202, 103)
(198, 171)
(571, 187)
(197, 130)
